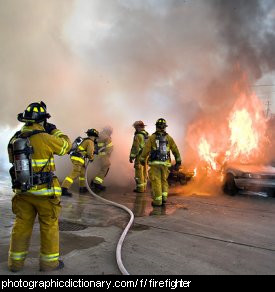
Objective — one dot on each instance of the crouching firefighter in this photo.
(159, 146)
(82, 148)
(104, 148)
(37, 190)
(140, 138)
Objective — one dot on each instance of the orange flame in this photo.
(244, 137)
(206, 154)
(238, 138)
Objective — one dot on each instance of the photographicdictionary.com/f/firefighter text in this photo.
(106, 284)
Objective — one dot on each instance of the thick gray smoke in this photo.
(116, 61)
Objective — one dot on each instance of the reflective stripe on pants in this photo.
(77, 171)
(26, 208)
(158, 175)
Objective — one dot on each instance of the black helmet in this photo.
(161, 123)
(36, 112)
(92, 132)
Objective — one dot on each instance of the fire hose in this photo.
(124, 233)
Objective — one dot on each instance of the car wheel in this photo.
(183, 181)
(229, 185)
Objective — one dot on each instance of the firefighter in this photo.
(103, 151)
(36, 188)
(158, 146)
(140, 138)
(84, 150)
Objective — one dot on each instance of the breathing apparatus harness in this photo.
(77, 152)
(22, 175)
(161, 152)
(74, 150)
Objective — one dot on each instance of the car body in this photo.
(248, 177)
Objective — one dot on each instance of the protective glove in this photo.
(49, 127)
(131, 159)
(177, 165)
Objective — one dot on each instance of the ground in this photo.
(194, 234)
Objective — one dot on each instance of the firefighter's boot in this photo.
(83, 190)
(66, 193)
(99, 187)
(59, 267)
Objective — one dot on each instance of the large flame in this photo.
(238, 137)
(244, 137)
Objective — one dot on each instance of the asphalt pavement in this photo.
(194, 234)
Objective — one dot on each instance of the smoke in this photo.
(116, 61)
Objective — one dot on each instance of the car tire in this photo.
(229, 186)
(183, 181)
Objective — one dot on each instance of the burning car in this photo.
(254, 178)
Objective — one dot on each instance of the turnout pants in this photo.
(26, 207)
(78, 171)
(140, 176)
(158, 175)
(104, 165)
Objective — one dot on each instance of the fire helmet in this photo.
(92, 133)
(138, 124)
(35, 112)
(161, 123)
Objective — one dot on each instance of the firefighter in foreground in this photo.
(104, 150)
(140, 138)
(36, 188)
(81, 149)
(158, 148)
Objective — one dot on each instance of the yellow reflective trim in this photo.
(42, 109)
(141, 185)
(81, 178)
(102, 153)
(49, 257)
(46, 191)
(69, 179)
(80, 148)
(165, 194)
(159, 198)
(42, 192)
(18, 256)
(78, 159)
(98, 179)
(109, 145)
(64, 148)
(29, 109)
(41, 165)
(57, 133)
(42, 162)
(35, 109)
(165, 163)
(100, 144)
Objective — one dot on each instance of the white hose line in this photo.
(124, 233)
